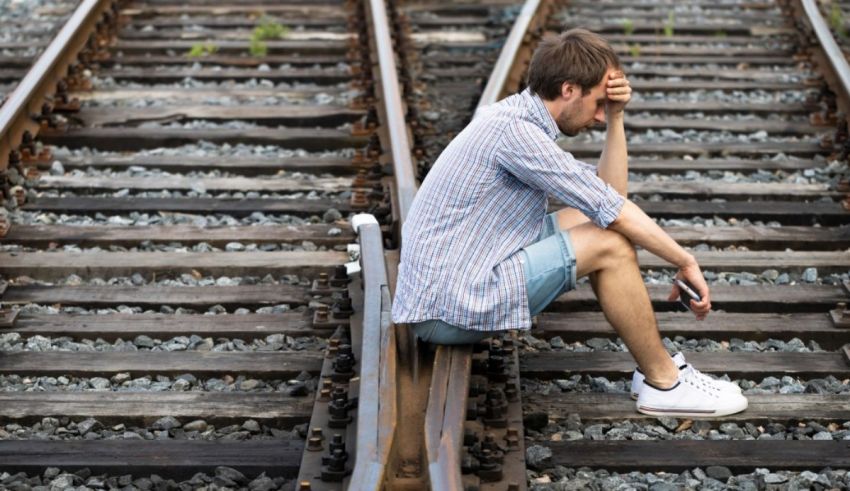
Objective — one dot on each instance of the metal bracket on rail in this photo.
(62, 100)
(55, 63)
(840, 315)
(7, 316)
(493, 445)
(351, 429)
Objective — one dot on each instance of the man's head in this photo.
(569, 72)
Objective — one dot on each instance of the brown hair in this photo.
(577, 56)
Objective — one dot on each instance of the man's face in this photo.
(582, 111)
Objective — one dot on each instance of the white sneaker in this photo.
(679, 359)
(693, 395)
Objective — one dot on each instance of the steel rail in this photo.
(376, 411)
(32, 92)
(449, 383)
(497, 84)
(378, 405)
(395, 124)
(446, 412)
(833, 52)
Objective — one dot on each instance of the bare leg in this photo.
(569, 218)
(618, 284)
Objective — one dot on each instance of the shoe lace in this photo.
(707, 378)
(699, 380)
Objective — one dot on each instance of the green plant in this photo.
(669, 24)
(634, 50)
(258, 48)
(720, 34)
(267, 29)
(270, 29)
(628, 27)
(836, 20)
(202, 49)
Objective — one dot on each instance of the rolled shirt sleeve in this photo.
(535, 159)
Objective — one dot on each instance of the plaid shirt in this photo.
(482, 202)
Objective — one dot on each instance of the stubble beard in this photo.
(568, 127)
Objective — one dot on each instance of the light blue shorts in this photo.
(550, 270)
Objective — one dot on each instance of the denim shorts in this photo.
(550, 270)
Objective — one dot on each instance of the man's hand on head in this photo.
(619, 93)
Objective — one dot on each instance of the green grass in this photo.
(634, 50)
(836, 20)
(669, 25)
(628, 27)
(202, 49)
(267, 29)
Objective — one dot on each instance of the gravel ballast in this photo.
(561, 478)
(222, 478)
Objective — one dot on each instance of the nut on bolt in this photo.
(359, 199)
(314, 444)
(512, 438)
(340, 277)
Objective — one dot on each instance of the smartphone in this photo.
(686, 293)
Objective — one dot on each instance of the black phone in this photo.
(686, 293)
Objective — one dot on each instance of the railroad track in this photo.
(29, 26)
(177, 271)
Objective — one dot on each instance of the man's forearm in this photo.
(613, 165)
(643, 231)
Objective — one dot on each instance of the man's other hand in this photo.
(619, 92)
(692, 274)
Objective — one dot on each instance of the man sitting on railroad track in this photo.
(481, 255)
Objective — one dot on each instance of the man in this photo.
(481, 255)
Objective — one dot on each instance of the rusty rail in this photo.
(836, 68)
(377, 407)
(443, 381)
(16, 115)
(450, 381)
(393, 108)
(497, 84)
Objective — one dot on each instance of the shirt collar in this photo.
(540, 115)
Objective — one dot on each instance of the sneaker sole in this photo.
(635, 395)
(689, 413)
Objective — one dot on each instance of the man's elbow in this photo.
(623, 217)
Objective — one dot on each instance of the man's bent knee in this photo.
(598, 248)
(620, 247)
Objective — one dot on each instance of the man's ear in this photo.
(568, 90)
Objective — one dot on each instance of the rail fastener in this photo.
(840, 316)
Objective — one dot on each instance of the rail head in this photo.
(376, 412)
(393, 109)
(445, 414)
(496, 87)
(509, 68)
(837, 63)
(33, 90)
